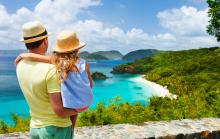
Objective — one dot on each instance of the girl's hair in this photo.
(64, 62)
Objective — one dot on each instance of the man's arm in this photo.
(55, 100)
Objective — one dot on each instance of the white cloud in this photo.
(188, 25)
(100, 37)
(56, 15)
(4, 16)
(184, 21)
(184, 28)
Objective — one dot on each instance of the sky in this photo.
(123, 25)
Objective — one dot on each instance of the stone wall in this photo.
(206, 128)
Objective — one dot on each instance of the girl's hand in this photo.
(20, 57)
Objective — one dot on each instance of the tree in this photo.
(214, 14)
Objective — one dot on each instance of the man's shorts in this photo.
(51, 132)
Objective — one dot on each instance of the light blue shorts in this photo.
(52, 132)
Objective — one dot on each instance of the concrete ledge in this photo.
(205, 128)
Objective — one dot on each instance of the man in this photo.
(41, 88)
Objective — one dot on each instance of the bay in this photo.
(12, 99)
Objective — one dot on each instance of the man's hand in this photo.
(56, 102)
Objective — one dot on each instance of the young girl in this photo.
(73, 72)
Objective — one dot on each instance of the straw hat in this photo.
(67, 41)
(33, 31)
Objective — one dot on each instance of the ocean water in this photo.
(12, 99)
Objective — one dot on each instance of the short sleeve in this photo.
(53, 85)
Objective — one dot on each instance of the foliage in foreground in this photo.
(206, 105)
(20, 124)
(158, 109)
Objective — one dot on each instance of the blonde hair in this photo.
(64, 62)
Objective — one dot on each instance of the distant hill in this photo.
(110, 54)
(83, 54)
(101, 55)
(116, 55)
(138, 54)
(96, 57)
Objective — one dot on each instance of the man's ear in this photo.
(45, 41)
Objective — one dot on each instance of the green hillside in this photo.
(96, 57)
(134, 55)
(194, 75)
(113, 54)
(101, 55)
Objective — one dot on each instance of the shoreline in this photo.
(158, 90)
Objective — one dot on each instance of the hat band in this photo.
(39, 35)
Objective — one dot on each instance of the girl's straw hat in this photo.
(33, 31)
(67, 41)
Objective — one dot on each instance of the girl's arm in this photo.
(89, 75)
(33, 57)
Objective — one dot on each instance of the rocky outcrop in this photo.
(121, 69)
(99, 76)
(206, 128)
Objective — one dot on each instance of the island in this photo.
(137, 54)
(98, 76)
(101, 55)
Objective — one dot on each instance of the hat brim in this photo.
(58, 50)
(36, 39)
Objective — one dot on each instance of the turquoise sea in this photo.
(12, 100)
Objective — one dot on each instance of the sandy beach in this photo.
(158, 90)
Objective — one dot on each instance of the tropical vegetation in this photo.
(193, 75)
(213, 27)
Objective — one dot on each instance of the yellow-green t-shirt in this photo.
(36, 80)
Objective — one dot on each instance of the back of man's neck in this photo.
(36, 52)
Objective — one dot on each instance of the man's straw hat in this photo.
(67, 41)
(33, 31)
